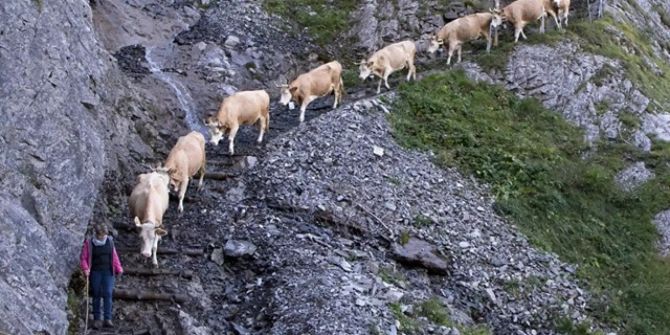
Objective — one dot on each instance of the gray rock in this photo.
(417, 252)
(662, 222)
(633, 176)
(234, 248)
(217, 256)
(189, 325)
(232, 41)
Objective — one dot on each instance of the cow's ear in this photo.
(160, 232)
(137, 222)
(293, 89)
(370, 64)
(170, 171)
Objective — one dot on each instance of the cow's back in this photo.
(316, 82)
(193, 147)
(245, 106)
(398, 54)
(150, 193)
(527, 10)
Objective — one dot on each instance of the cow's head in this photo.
(150, 235)
(216, 129)
(435, 44)
(365, 68)
(498, 18)
(164, 173)
(175, 179)
(286, 94)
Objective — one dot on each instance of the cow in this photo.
(148, 202)
(461, 30)
(241, 108)
(389, 59)
(319, 82)
(186, 158)
(520, 13)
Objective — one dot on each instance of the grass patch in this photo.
(665, 16)
(392, 276)
(39, 4)
(437, 313)
(325, 20)
(532, 158)
(75, 297)
(620, 40)
(404, 237)
(422, 221)
(497, 58)
(407, 324)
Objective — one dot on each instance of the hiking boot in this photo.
(108, 324)
(97, 324)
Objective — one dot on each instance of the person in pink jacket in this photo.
(100, 263)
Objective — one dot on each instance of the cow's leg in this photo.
(303, 108)
(523, 34)
(202, 173)
(386, 79)
(566, 13)
(154, 252)
(379, 86)
(518, 30)
(261, 129)
(336, 92)
(487, 35)
(451, 53)
(182, 193)
(412, 70)
(460, 48)
(231, 138)
(541, 24)
(558, 22)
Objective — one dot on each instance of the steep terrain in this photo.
(330, 227)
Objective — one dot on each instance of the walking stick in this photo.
(86, 315)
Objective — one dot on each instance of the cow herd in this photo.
(148, 201)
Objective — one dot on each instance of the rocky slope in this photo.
(69, 122)
(90, 91)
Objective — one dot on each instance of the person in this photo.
(100, 264)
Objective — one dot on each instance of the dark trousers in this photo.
(102, 284)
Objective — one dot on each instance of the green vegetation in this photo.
(497, 58)
(533, 160)
(433, 310)
(620, 40)
(404, 237)
(75, 297)
(422, 221)
(325, 20)
(392, 276)
(407, 324)
(39, 4)
(665, 16)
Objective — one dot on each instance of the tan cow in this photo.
(461, 30)
(390, 59)
(241, 108)
(520, 13)
(186, 158)
(319, 82)
(148, 202)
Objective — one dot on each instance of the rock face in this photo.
(589, 90)
(66, 126)
(634, 176)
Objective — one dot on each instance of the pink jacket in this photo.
(85, 258)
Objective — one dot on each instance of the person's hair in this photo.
(100, 229)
